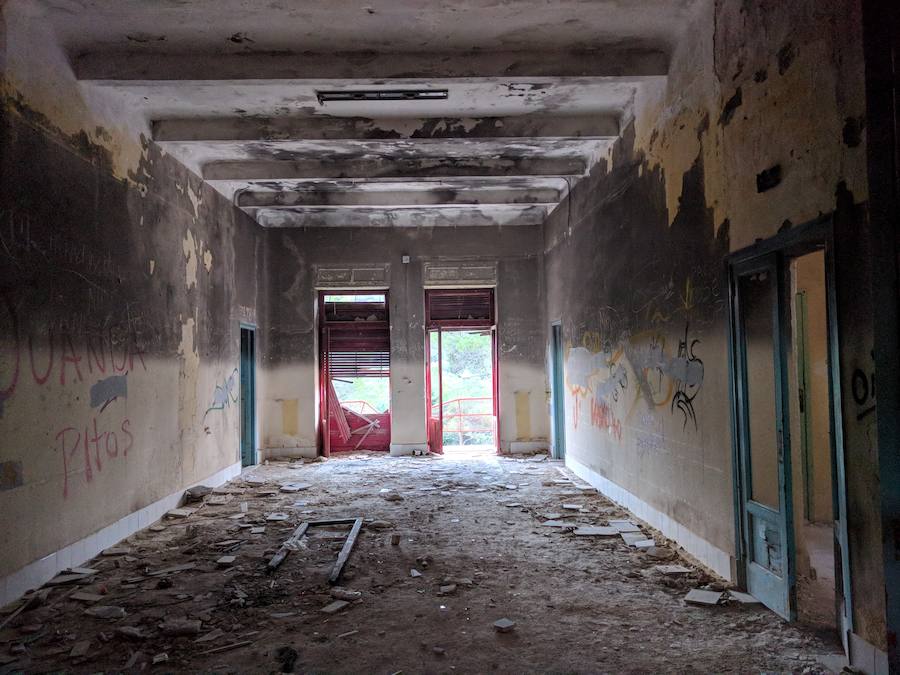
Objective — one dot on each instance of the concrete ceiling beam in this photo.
(409, 216)
(420, 167)
(429, 196)
(608, 61)
(327, 127)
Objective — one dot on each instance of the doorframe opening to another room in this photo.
(760, 279)
(457, 309)
(354, 343)
(248, 394)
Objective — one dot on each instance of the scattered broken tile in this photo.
(345, 594)
(157, 528)
(559, 523)
(218, 500)
(276, 517)
(624, 526)
(196, 493)
(414, 573)
(65, 578)
(554, 516)
(644, 544)
(512, 505)
(743, 598)
(449, 589)
(572, 507)
(237, 516)
(697, 596)
(184, 512)
(80, 648)
(596, 531)
(160, 658)
(109, 612)
(180, 627)
(213, 635)
(504, 625)
(392, 497)
(130, 632)
(81, 596)
(115, 551)
(226, 561)
(257, 530)
(673, 570)
(660, 553)
(631, 538)
(334, 607)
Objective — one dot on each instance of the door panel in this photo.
(558, 399)
(248, 397)
(762, 426)
(433, 394)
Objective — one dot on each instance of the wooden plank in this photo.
(339, 521)
(282, 553)
(345, 551)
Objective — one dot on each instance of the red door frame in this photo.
(324, 435)
(438, 325)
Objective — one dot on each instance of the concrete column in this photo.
(407, 316)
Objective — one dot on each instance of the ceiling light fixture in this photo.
(382, 95)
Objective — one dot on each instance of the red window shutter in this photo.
(358, 352)
(472, 307)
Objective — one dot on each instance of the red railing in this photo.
(453, 411)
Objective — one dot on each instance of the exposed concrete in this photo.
(324, 127)
(423, 193)
(402, 216)
(113, 67)
(399, 168)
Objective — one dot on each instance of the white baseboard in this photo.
(710, 555)
(866, 657)
(398, 449)
(40, 571)
(528, 447)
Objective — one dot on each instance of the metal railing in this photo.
(459, 420)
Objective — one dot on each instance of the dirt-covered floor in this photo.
(473, 530)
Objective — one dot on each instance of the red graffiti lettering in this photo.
(93, 441)
(604, 418)
(72, 358)
(38, 378)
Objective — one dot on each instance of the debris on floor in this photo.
(191, 593)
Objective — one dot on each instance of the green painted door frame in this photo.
(248, 394)
(797, 241)
(557, 391)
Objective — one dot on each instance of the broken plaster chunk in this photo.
(660, 553)
(449, 589)
(345, 594)
(631, 538)
(257, 530)
(596, 531)
(512, 505)
(80, 649)
(624, 526)
(197, 493)
(392, 497)
(115, 551)
(276, 517)
(185, 512)
(504, 625)
(130, 632)
(414, 573)
(673, 570)
(160, 658)
(743, 598)
(334, 607)
(572, 507)
(560, 524)
(698, 596)
(86, 597)
(226, 561)
(180, 627)
(644, 544)
(108, 612)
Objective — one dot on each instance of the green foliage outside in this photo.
(466, 372)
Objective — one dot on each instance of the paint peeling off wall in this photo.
(118, 356)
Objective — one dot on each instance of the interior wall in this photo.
(122, 284)
(760, 127)
(290, 364)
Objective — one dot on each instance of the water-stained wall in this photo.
(290, 365)
(759, 128)
(122, 284)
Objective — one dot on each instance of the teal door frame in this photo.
(797, 241)
(557, 392)
(248, 394)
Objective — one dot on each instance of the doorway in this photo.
(557, 399)
(248, 395)
(354, 383)
(461, 377)
(789, 477)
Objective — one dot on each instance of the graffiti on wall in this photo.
(643, 368)
(224, 394)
